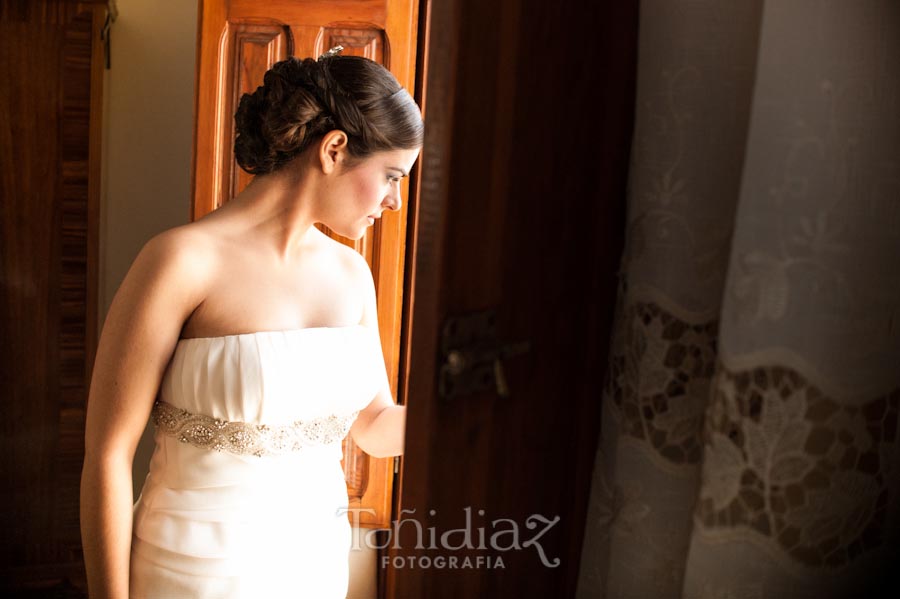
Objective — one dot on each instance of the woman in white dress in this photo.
(251, 340)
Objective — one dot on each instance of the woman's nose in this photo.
(393, 201)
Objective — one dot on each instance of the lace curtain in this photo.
(750, 407)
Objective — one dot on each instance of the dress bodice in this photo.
(276, 377)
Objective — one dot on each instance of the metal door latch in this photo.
(473, 356)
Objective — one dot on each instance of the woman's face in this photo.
(364, 191)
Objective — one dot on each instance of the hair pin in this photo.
(333, 52)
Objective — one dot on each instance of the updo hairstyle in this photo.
(302, 100)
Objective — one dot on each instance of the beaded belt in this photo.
(243, 438)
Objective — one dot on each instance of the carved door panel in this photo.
(239, 41)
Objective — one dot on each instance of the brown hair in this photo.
(302, 100)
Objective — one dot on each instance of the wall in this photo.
(148, 124)
(148, 128)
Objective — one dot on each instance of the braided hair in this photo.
(301, 100)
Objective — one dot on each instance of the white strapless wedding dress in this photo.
(246, 496)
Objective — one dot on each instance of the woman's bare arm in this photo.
(380, 428)
(161, 289)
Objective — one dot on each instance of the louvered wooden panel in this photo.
(50, 110)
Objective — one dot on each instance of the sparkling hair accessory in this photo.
(333, 52)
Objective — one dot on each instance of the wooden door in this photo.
(521, 211)
(239, 41)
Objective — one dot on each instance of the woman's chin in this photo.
(356, 234)
(369, 223)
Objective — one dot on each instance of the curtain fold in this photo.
(750, 407)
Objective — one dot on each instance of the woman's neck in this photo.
(278, 209)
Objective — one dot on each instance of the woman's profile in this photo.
(250, 338)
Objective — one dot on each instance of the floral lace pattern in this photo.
(781, 463)
(242, 438)
(659, 376)
(793, 465)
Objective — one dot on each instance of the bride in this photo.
(251, 340)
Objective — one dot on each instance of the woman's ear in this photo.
(332, 150)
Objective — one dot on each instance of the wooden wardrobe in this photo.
(51, 72)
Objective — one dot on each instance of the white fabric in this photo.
(215, 524)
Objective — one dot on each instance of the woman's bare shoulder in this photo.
(184, 254)
(354, 267)
(190, 241)
(351, 261)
